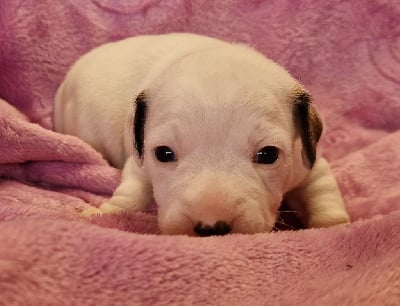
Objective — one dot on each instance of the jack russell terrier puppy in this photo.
(214, 132)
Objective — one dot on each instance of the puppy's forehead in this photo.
(235, 108)
(217, 124)
(225, 109)
(227, 89)
(221, 89)
(222, 75)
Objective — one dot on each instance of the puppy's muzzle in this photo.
(218, 229)
(213, 203)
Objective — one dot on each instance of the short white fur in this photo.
(215, 104)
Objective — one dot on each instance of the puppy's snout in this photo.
(218, 229)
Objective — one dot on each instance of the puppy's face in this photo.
(222, 142)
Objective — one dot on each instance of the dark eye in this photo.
(267, 155)
(165, 154)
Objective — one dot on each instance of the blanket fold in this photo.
(75, 263)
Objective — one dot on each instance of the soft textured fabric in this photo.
(347, 53)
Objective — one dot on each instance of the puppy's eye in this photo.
(267, 155)
(165, 154)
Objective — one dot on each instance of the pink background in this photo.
(346, 52)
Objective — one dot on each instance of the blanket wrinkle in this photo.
(165, 259)
(346, 54)
(22, 141)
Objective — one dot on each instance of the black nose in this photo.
(218, 229)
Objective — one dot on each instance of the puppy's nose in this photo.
(218, 229)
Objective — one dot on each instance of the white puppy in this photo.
(216, 133)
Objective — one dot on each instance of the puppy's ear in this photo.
(139, 122)
(310, 125)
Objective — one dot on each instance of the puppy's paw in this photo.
(92, 211)
(105, 208)
(328, 219)
(109, 208)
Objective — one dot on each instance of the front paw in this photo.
(328, 219)
(109, 208)
(105, 208)
(92, 211)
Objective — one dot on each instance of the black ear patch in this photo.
(139, 122)
(310, 124)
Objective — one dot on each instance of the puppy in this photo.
(215, 132)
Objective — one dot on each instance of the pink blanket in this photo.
(346, 52)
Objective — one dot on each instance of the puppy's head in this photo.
(222, 137)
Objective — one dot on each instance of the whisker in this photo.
(285, 224)
(273, 227)
(281, 221)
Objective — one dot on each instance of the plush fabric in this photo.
(347, 53)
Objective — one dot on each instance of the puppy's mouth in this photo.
(217, 211)
(184, 225)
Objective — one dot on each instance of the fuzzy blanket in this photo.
(346, 52)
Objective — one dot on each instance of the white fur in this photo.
(215, 104)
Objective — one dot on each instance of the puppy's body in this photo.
(215, 105)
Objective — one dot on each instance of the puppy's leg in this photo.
(318, 201)
(133, 193)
